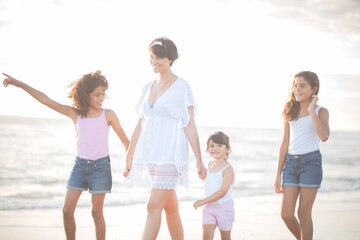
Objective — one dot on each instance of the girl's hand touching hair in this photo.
(313, 102)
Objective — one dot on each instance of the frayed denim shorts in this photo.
(92, 175)
(303, 170)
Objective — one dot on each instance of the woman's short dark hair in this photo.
(164, 48)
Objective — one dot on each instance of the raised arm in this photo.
(321, 121)
(41, 97)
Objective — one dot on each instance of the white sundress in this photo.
(161, 155)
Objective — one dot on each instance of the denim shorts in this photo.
(221, 215)
(92, 175)
(303, 170)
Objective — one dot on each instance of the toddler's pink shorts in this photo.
(222, 215)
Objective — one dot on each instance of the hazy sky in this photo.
(238, 55)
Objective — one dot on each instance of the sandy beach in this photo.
(336, 217)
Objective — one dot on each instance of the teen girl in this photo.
(300, 160)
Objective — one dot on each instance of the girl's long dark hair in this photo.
(292, 107)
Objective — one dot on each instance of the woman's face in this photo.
(159, 64)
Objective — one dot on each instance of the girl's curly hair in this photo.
(82, 87)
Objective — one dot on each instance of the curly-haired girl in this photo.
(92, 169)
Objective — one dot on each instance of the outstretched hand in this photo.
(9, 80)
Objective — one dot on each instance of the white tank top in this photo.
(213, 182)
(303, 137)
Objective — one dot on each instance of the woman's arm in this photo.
(193, 137)
(131, 149)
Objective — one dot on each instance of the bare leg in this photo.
(306, 202)
(225, 235)
(290, 195)
(71, 199)
(155, 206)
(208, 231)
(98, 215)
(173, 219)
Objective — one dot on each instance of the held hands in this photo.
(9, 80)
(127, 167)
(201, 171)
(126, 172)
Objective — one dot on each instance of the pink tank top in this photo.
(92, 136)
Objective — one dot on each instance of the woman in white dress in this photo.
(158, 154)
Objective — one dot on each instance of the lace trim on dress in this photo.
(165, 176)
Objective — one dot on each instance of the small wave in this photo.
(33, 195)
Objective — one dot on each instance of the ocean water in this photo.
(36, 157)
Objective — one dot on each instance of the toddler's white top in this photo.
(213, 183)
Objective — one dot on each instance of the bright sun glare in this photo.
(236, 55)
